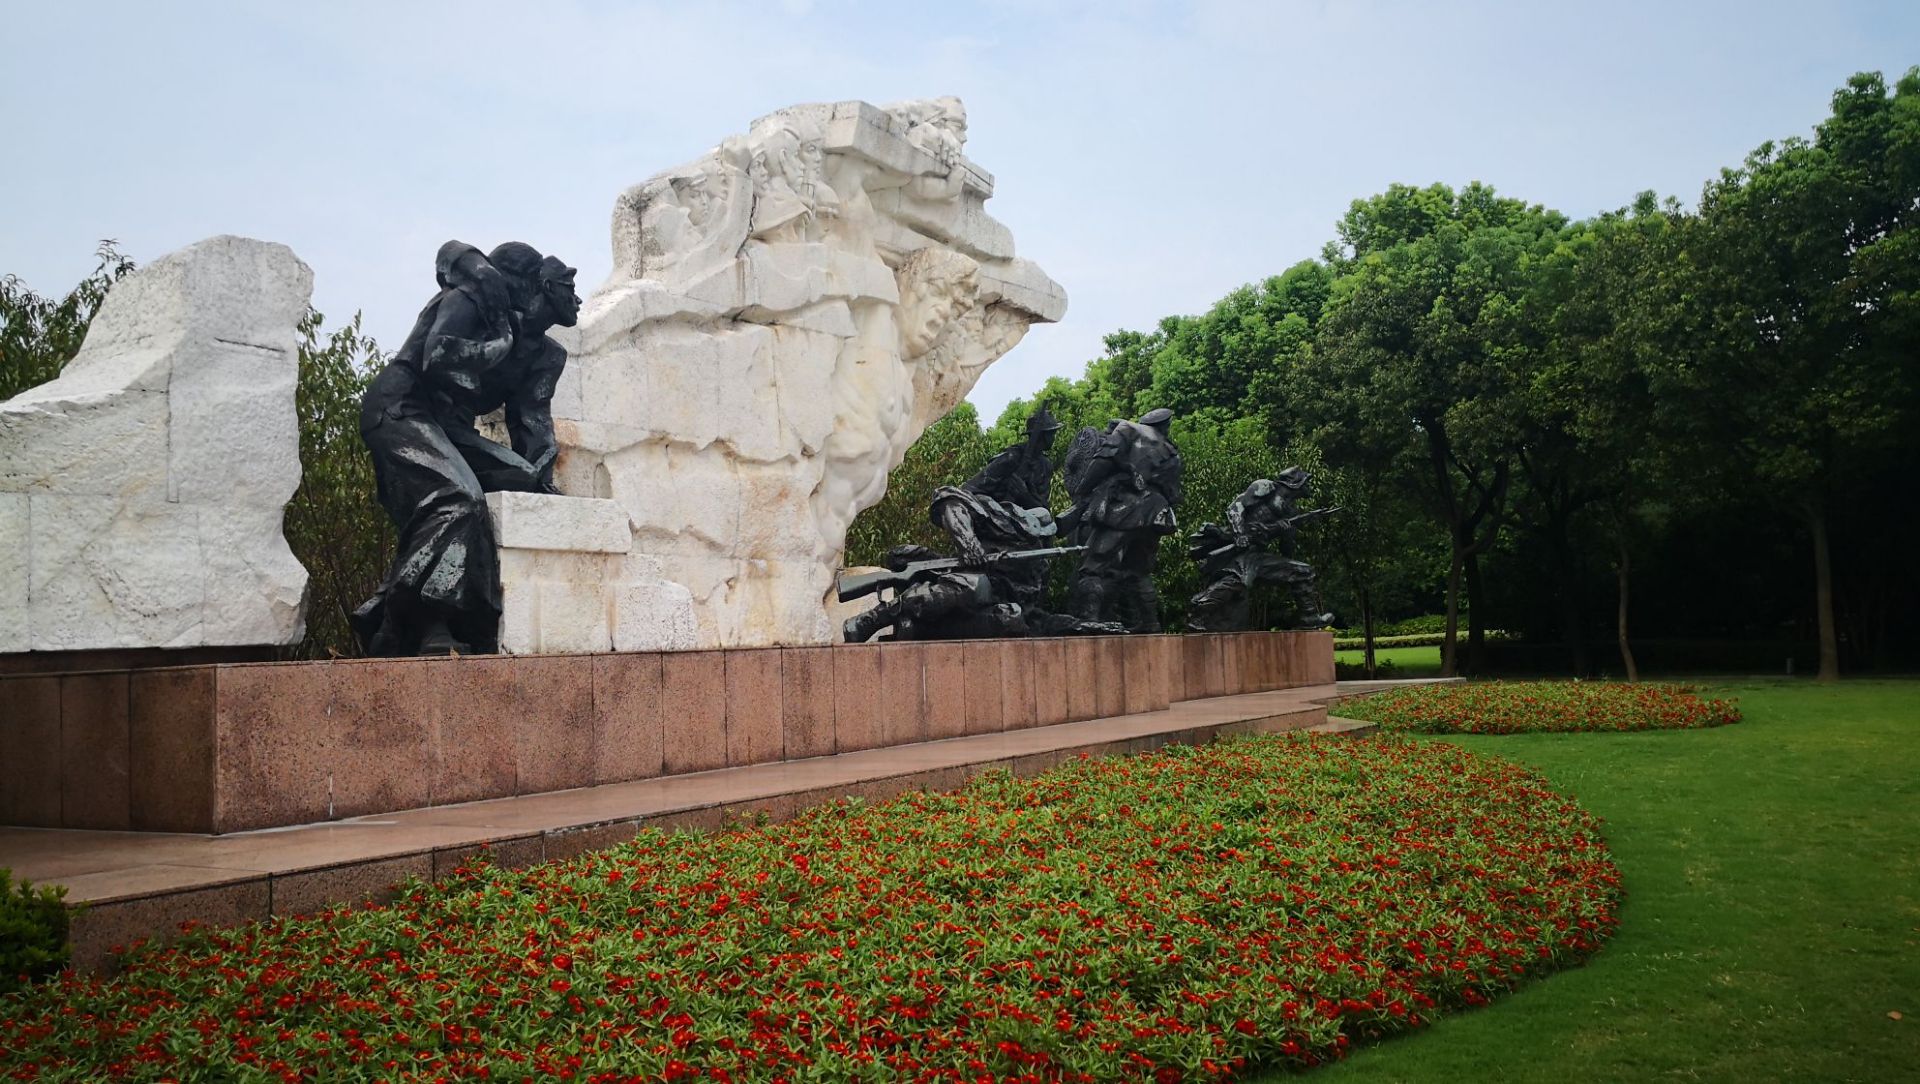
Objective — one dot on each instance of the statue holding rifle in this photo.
(1234, 559)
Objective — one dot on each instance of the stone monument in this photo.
(785, 315)
(142, 490)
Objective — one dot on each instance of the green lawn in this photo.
(1407, 661)
(1773, 906)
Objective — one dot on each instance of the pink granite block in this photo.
(1020, 706)
(693, 710)
(473, 735)
(1267, 664)
(275, 746)
(806, 690)
(1233, 671)
(946, 689)
(1049, 681)
(553, 732)
(94, 751)
(628, 731)
(1318, 648)
(103, 927)
(856, 697)
(1174, 667)
(903, 693)
(755, 721)
(1137, 659)
(170, 735)
(30, 751)
(382, 713)
(1110, 676)
(310, 891)
(985, 695)
(1082, 677)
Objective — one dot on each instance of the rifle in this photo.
(1300, 520)
(852, 587)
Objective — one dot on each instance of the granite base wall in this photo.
(232, 747)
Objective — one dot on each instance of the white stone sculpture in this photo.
(786, 314)
(142, 491)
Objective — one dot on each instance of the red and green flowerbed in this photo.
(1182, 916)
(1541, 707)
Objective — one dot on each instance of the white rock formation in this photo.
(141, 492)
(786, 314)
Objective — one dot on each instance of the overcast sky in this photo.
(1149, 156)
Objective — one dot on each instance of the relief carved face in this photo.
(937, 287)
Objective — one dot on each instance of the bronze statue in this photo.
(479, 345)
(1003, 534)
(1125, 484)
(1233, 560)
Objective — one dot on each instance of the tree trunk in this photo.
(1476, 623)
(1366, 631)
(1572, 627)
(1621, 572)
(1823, 594)
(1449, 644)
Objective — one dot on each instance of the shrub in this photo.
(1538, 707)
(1186, 915)
(33, 931)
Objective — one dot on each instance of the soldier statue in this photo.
(1233, 559)
(1002, 532)
(479, 345)
(1125, 484)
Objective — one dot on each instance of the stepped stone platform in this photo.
(140, 885)
(235, 747)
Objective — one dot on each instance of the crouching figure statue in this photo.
(479, 345)
(1234, 559)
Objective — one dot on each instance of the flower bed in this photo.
(1541, 707)
(1181, 916)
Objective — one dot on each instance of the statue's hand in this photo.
(972, 552)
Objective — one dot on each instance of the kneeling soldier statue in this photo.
(1233, 560)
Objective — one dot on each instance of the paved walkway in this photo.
(144, 884)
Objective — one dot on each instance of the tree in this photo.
(950, 451)
(39, 335)
(1428, 316)
(1805, 270)
(334, 523)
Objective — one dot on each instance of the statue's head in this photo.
(543, 286)
(1159, 419)
(1294, 480)
(937, 286)
(950, 116)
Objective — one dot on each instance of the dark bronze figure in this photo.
(1233, 559)
(1125, 484)
(479, 345)
(1003, 534)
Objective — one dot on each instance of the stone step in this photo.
(1345, 728)
(144, 884)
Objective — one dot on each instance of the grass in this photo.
(1772, 920)
(1407, 661)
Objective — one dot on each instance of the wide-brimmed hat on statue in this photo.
(1294, 478)
(1043, 421)
(1156, 416)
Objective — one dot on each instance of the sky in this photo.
(1151, 157)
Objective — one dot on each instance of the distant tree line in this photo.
(1659, 423)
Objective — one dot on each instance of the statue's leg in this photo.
(497, 467)
(445, 572)
(1221, 606)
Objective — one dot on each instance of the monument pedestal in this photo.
(570, 583)
(226, 748)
